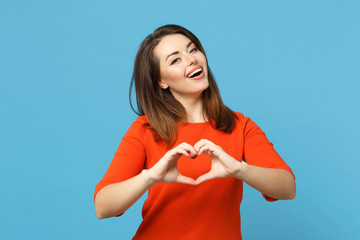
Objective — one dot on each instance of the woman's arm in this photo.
(115, 199)
(274, 183)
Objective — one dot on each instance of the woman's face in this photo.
(183, 68)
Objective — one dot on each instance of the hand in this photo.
(165, 170)
(222, 165)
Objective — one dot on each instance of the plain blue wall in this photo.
(65, 68)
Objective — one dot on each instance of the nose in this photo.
(191, 60)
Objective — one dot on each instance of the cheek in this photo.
(173, 75)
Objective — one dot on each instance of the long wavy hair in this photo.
(162, 110)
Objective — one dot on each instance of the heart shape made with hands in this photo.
(194, 167)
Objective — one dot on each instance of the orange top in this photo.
(210, 210)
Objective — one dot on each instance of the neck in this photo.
(194, 109)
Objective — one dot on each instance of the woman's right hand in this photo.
(165, 170)
(115, 198)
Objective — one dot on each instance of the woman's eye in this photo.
(193, 50)
(174, 61)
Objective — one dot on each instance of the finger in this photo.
(190, 149)
(208, 142)
(199, 144)
(206, 149)
(183, 152)
(203, 142)
(186, 180)
(205, 177)
(175, 153)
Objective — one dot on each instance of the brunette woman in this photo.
(187, 149)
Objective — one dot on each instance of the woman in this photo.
(187, 148)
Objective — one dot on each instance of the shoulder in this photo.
(138, 133)
(141, 120)
(241, 117)
(239, 114)
(244, 122)
(139, 126)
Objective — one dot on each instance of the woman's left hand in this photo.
(222, 165)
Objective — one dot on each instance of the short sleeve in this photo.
(259, 151)
(129, 158)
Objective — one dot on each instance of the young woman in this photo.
(187, 149)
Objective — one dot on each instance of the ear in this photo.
(163, 85)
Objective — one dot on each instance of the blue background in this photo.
(65, 69)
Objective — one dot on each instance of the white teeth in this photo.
(194, 72)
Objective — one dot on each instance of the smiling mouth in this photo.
(195, 73)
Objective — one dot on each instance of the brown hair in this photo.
(162, 110)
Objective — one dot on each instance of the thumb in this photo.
(205, 177)
(186, 180)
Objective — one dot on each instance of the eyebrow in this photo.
(176, 52)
